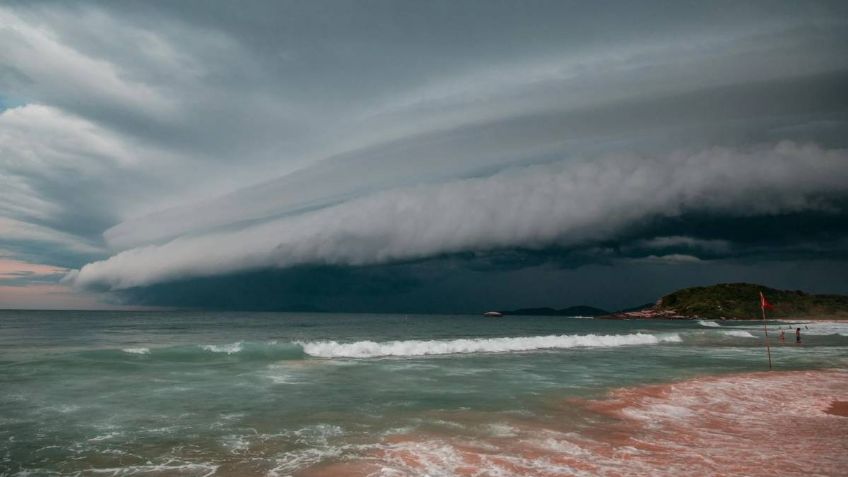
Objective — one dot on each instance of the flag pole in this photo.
(765, 330)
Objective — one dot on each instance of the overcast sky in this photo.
(418, 156)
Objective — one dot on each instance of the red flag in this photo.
(763, 303)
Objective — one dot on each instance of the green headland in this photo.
(741, 301)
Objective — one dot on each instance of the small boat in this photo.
(493, 314)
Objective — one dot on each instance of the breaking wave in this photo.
(225, 348)
(372, 349)
(288, 350)
(240, 350)
(708, 324)
(136, 350)
(739, 334)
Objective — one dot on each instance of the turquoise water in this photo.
(176, 393)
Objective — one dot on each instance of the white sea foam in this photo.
(708, 324)
(441, 457)
(224, 348)
(739, 334)
(172, 467)
(652, 411)
(499, 429)
(817, 328)
(292, 461)
(370, 349)
(823, 328)
(236, 444)
(136, 350)
(103, 437)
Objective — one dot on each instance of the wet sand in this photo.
(838, 408)
(771, 423)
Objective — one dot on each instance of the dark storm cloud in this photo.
(157, 143)
(460, 284)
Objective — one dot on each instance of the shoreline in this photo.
(756, 424)
(638, 316)
(388, 396)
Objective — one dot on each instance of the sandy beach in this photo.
(756, 424)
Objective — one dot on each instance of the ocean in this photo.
(278, 394)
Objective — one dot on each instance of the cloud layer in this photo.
(564, 203)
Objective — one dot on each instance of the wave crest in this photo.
(136, 350)
(224, 348)
(372, 349)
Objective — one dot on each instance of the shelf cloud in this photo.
(562, 203)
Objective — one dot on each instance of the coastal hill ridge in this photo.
(741, 301)
(722, 301)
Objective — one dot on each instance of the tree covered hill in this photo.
(742, 301)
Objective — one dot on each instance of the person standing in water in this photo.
(781, 336)
(797, 335)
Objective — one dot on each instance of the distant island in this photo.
(580, 310)
(739, 301)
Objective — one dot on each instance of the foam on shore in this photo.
(757, 424)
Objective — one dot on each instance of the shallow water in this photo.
(175, 393)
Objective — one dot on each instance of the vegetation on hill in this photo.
(742, 301)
